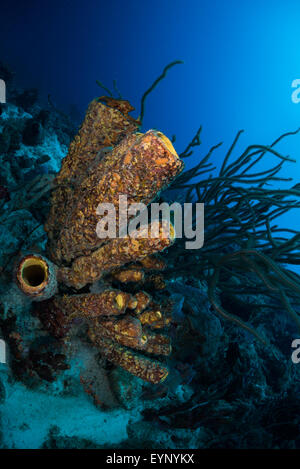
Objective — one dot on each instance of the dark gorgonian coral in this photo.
(107, 159)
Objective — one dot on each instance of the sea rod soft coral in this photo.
(109, 158)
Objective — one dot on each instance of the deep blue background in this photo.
(240, 60)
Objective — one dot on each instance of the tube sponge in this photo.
(140, 166)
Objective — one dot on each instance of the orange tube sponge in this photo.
(156, 316)
(150, 317)
(139, 167)
(158, 344)
(92, 305)
(142, 300)
(143, 367)
(109, 162)
(106, 122)
(128, 331)
(130, 275)
(153, 262)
